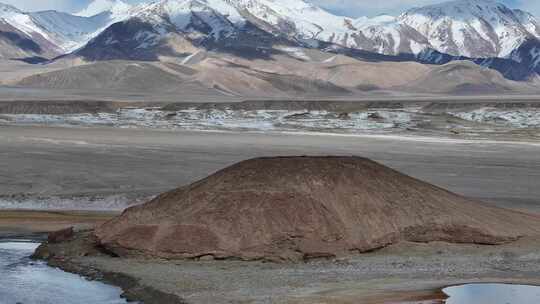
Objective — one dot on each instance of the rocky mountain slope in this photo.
(472, 28)
(20, 36)
(297, 208)
(465, 29)
(244, 47)
(469, 28)
(51, 33)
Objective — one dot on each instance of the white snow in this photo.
(219, 14)
(330, 60)
(416, 47)
(96, 7)
(68, 32)
(465, 23)
(189, 57)
(518, 118)
(368, 122)
(295, 52)
(535, 54)
(147, 39)
(215, 119)
(110, 203)
(21, 21)
(475, 28)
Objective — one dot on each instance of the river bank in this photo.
(406, 272)
(25, 280)
(20, 223)
(31, 227)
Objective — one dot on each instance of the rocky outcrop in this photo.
(60, 236)
(295, 208)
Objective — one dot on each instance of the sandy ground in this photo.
(404, 273)
(25, 222)
(46, 162)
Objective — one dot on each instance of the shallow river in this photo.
(493, 294)
(23, 281)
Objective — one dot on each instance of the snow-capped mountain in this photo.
(23, 22)
(53, 32)
(472, 28)
(522, 63)
(484, 31)
(21, 36)
(67, 31)
(71, 32)
(169, 27)
(258, 23)
(116, 8)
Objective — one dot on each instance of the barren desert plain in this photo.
(57, 176)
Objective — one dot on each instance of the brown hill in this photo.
(464, 77)
(293, 208)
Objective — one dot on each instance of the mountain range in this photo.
(181, 32)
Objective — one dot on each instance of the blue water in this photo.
(29, 282)
(493, 294)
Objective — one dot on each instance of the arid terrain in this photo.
(103, 162)
(107, 168)
(254, 151)
(404, 273)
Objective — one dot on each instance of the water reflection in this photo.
(493, 294)
(28, 282)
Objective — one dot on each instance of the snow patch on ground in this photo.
(297, 53)
(370, 121)
(518, 118)
(218, 119)
(107, 203)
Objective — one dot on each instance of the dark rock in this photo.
(61, 235)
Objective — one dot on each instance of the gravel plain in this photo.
(98, 165)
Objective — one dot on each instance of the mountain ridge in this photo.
(243, 47)
(468, 28)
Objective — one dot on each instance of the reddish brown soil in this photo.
(295, 208)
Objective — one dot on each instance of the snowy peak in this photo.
(23, 36)
(96, 7)
(61, 32)
(461, 8)
(67, 31)
(8, 9)
(489, 11)
(219, 12)
(21, 21)
(470, 28)
(474, 28)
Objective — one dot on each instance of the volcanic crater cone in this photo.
(294, 208)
